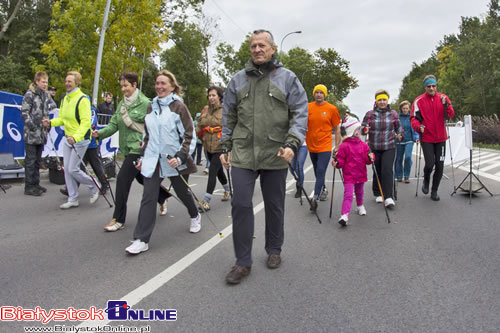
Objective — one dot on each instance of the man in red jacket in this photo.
(428, 114)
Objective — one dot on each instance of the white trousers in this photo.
(73, 175)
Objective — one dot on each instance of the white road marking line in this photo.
(489, 167)
(482, 155)
(141, 292)
(481, 174)
(485, 161)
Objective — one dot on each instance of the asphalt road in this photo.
(435, 268)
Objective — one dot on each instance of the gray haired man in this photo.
(264, 123)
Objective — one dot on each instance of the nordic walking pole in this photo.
(333, 188)
(381, 192)
(445, 106)
(313, 206)
(419, 165)
(194, 196)
(90, 175)
(229, 181)
(418, 141)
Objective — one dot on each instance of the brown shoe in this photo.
(237, 273)
(274, 260)
(399, 180)
(226, 196)
(407, 180)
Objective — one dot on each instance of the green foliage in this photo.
(230, 62)
(20, 45)
(413, 84)
(10, 80)
(187, 61)
(149, 78)
(135, 28)
(324, 66)
(466, 65)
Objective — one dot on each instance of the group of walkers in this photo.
(261, 126)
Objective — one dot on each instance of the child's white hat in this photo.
(351, 124)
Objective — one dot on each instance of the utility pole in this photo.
(97, 73)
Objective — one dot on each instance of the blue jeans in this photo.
(298, 164)
(320, 164)
(402, 167)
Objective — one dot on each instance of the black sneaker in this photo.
(64, 191)
(298, 193)
(314, 205)
(435, 196)
(32, 191)
(41, 188)
(425, 186)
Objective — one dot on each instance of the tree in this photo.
(5, 26)
(466, 65)
(324, 66)
(186, 60)
(134, 28)
(149, 78)
(413, 84)
(230, 62)
(20, 43)
(333, 71)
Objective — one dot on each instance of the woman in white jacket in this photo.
(169, 140)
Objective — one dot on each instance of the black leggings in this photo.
(384, 164)
(124, 181)
(215, 171)
(434, 154)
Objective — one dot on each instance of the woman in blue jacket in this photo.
(404, 147)
(169, 141)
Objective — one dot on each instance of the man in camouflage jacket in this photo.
(36, 105)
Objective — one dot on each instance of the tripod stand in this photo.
(469, 175)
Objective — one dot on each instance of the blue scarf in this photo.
(164, 102)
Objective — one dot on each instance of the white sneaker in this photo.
(163, 209)
(343, 220)
(137, 247)
(361, 210)
(69, 204)
(113, 226)
(195, 224)
(94, 197)
(389, 203)
(379, 199)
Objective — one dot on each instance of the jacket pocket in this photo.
(242, 150)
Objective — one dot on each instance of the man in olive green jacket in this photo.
(264, 123)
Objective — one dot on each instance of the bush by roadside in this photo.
(486, 130)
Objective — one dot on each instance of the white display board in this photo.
(458, 145)
(468, 131)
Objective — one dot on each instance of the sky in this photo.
(380, 39)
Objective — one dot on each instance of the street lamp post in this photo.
(281, 44)
(99, 54)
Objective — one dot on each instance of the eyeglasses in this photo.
(431, 86)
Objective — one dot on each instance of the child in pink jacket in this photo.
(352, 157)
